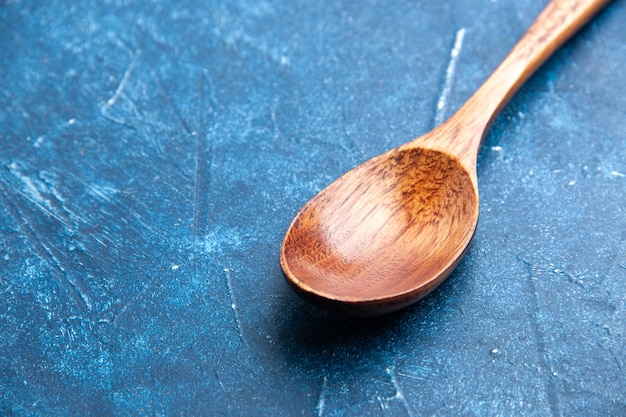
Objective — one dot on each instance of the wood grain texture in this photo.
(139, 279)
(388, 240)
(388, 232)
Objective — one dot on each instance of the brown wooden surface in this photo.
(419, 208)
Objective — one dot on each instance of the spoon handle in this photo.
(560, 20)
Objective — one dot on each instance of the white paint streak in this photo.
(617, 174)
(54, 256)
(119, 90)
(103, 192)
(77, 287)
(122, 85)
(419, 373)
(321, 402)
(391, 371)
(142, 222)
(233, 304)
(450, 71)
(35, 191)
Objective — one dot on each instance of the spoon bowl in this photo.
(420, 206)
(388, 232)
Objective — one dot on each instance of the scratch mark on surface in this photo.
(613, 271)
(33, 191)
(102, 192)
(450, 71)
(540, 343)
(233, 304)
(197, 187)
(170, 100)
(79, 290)
(278, 132)
(203, 166)
(136, 298)
(123, 310)
(420, 373)
(147, 226)
(213, 101)
(399, 395)
(46, 251)
(321, 402)
(104, 110)
(122, 85)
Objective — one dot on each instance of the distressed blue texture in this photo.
(153, 153)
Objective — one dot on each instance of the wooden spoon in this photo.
(388, 232)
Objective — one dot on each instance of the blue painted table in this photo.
(152, 155)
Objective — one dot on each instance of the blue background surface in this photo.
(152, 155)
